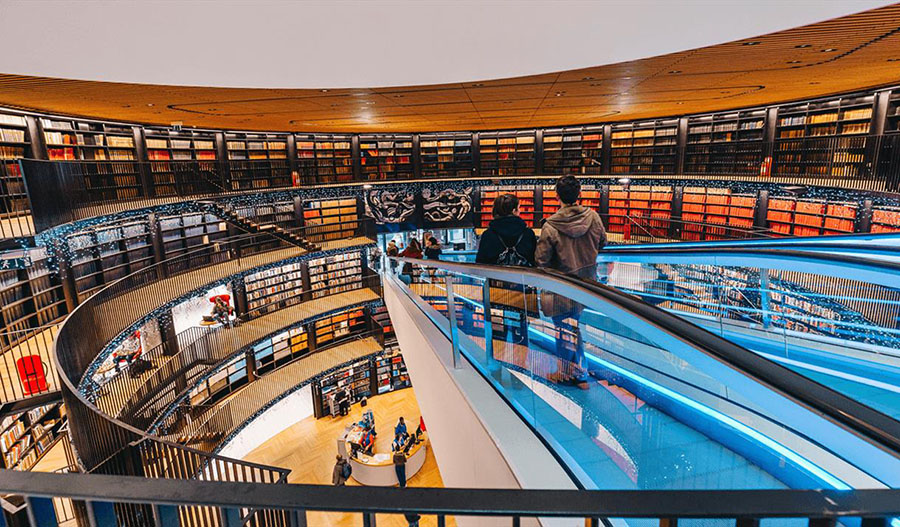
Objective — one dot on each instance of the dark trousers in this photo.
(401, 475)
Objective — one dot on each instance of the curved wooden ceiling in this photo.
(840, 55)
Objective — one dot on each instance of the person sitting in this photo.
(221, 311)
(368, 442)
(400, 442)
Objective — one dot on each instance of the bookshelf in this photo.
(729, 143)
(892, 118)
(641, 202)
(885, 219)
(446, 155)
(274, 288)
(257, 160)
(573, 150)
(29, 298)
(105, 253)
(386, 156)
(332, 219)
(508, 153)
(115, 175)
(335, 274)
(324, 158)
(275, 352)
(644, 148)
(335, 327)
(14, 145)
(390, 372)
(279, 213)
(791, 216)
(26, 436)
(221, 383)
(590, 198)
(383, 318)
(824, 138)
(184, 232)
(490, 193)
(357, 377)
(165, 146)
(703, 208)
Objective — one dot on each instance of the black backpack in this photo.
(511, 255)
(346, 471)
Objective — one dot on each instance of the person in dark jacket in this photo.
(433, 249)
(506, 230)
(341, 471)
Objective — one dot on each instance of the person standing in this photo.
(392, 249)
(341, 472)
(433, 249)
(400, 467)
(570, 241)
(401, 427)
(507, 240)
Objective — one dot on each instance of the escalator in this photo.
(628, 395)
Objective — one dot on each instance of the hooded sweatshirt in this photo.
(570, 241)
(505, 230)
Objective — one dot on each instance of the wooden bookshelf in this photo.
(274, 288)
(644, 148)
(704, 208)
(184, 232)
(885, 219)
(383, 318)
(892, 118)
(508, 153)
(324, 158)
(641, 202)
(29, 298)
(14, 145)
(386, 156)
(823, 138)
(335, 327)
(490, 193)
(105, 253)
(165, 146)
(357, 377)
(446, 155)
(332, 219)
(223, 382)
(590, 198)
(573, 150)
(257, 160)
(728, 143)
(335, 274)
(390, 372)
(279, 213)
(791, 216)
(26, 436)
(69, 140)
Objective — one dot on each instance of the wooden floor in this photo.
(40, 344)
(309, 447)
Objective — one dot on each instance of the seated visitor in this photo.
(221, 311)
(401, 427)
(507, 240)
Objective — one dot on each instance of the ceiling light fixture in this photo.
(673, 72)
(893, 60)
(323, 90)
(478, 85)
(829, 50)
(587, 78)
(803, 46)
(150, 104)
(751, 43)
(793, 62)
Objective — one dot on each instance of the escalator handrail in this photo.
(862, 419)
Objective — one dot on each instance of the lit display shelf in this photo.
(590, 198)
(166, 148)
(274, 288)
(729, 143)
(366, 377)
(258, 160)
(810, 217)
(184, 232)
(573, 150)
(886, 219)
(335, 274)
(640, 202)
(29, 298)
(703, 208)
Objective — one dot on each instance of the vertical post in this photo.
(167, 332)
(864, 217)
(41, 512)
(222, 163)
(416, 157)
(298, 518)
(761, 220)
(451, 314)
(143, 169)
(768, 149)
(681, 144)
(368, 519)
(675, 226)
(38, 143)
(538, 152)
(292, 158)
(101, 514)
(476, 156)
(488, 321)
(606, 150)
(764, 297)
(356, 157)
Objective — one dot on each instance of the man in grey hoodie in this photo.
(569, 242)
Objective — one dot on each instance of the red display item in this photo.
(32, 374)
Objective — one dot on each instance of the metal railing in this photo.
(26, 365)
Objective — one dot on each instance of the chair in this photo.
(33, 374)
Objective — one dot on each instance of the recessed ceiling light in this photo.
(397, 96)
(751, 43)
(150, 104)
(814, 82)
(829, 50)
(478, 85)
(675, 71)
(803, 46)
(560, 93)
(587, 78)
(126, 106)
(679, 102)
(323, 90)
(624, 93)
(893, 60)
(793, 62)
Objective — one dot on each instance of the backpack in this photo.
(511, 255)
(346, 470)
